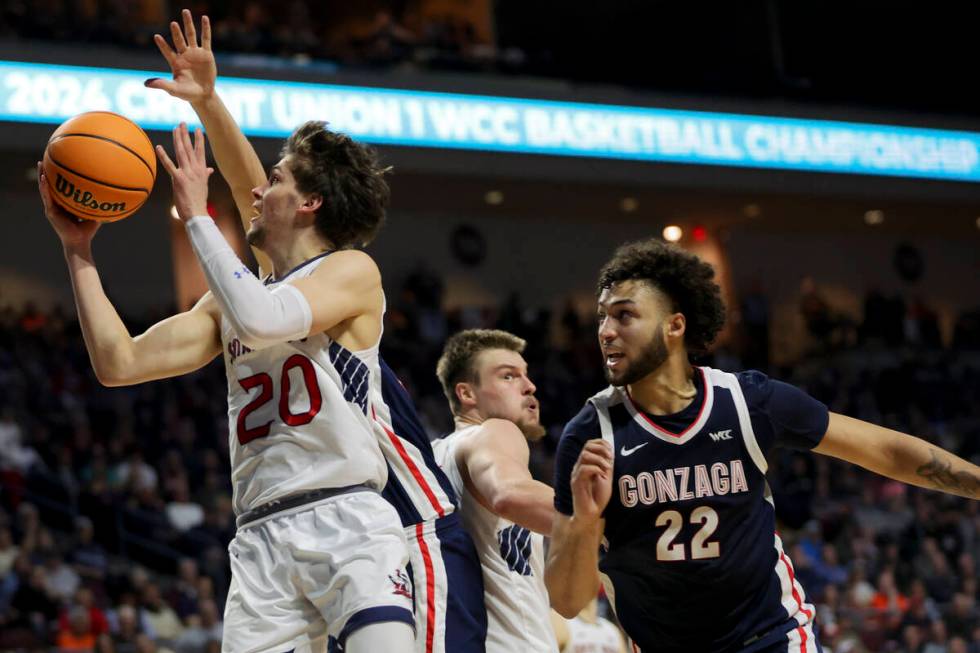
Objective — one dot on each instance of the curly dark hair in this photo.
(349, 178)
(459, 353)
(686, 280)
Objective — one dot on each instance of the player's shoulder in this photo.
(349, 265)
(494, 432)
(584, 424)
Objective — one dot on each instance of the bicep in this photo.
(180, 344)
(856, 441)
(493, 466)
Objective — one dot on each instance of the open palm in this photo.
(192, 65)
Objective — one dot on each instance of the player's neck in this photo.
(296, 251)
(468, 419)
(668, 389)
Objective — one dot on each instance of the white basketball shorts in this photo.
(316, 573)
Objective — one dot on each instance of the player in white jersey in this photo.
(503, 508)
(319, 559)
(444, 568)
(587, 632)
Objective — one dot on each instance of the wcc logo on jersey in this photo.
(515, 548)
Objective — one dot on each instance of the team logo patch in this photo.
(401, 582)
(515, 548)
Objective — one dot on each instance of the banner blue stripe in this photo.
(45, 93)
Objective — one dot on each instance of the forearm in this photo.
(899, 456)
(108, 341)
(261, 317)
(528, 503)
(572, 569)
(235, 156)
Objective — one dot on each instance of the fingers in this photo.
(165, 50)
(189, 31)
(165, 161)
(178, 37)
(199, 145)
(162, 84)
(205, 32)
(600, 448)
(42, 186)
(182, 146)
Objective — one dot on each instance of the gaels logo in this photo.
(236, 348)
(402, 583)
(85, 198)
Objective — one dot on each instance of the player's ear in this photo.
(311, 203)
(676, 325)
(465, 394)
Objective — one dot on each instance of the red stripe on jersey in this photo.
(802, 639)
(400, 448)
(430, 590)
(792, 584)
(799, 600)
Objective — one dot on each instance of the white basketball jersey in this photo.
(298, 415)
(512, 557)
(585, 637)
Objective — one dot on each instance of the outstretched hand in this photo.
(190, 174)
(72, 231)
(192, 65)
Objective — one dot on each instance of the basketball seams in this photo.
(57, 138)
(58, 163)
(139, 130)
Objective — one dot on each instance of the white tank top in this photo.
(298, 415)
(600, 637)
(512, 557)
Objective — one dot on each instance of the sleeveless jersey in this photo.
(691, 558)
(298, 415)
(512, 558)
(416, 486)
(599, 637)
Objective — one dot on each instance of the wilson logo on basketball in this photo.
(85, 198)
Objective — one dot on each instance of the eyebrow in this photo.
(505, 366)
(618, 302)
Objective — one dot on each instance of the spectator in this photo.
(161, 617)
(75, 635)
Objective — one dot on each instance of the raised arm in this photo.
(572, 568)
(179, 344)
(493, 462)
(345, 289)
(899, 456)
(194, 75)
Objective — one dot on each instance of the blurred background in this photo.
(863, 289)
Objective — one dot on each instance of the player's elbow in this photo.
(112, 369)
(562, 601)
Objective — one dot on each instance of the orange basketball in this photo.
(100, 166)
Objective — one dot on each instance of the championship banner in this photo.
(52, 93)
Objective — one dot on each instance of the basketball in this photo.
(100, 166)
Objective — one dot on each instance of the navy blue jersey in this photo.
(416, 486)
(691, 559)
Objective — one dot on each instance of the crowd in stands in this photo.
(297, 30)
(115, 507)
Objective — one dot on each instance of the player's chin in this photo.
(255, 236)
(532, 429)
(616, 377)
